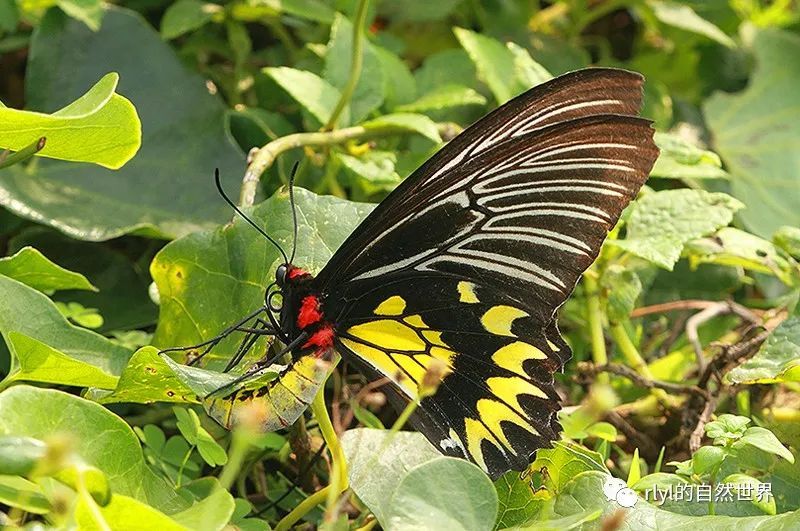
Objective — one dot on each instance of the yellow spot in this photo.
(446, 355)
(384, 364)
(492, 413)
(514, 354)
(552, 346)
(476, 433)
(434, 338)
(498, 319)
(466, 292)
(509, 389)
(411, 367)
(415, 321)
(394, 305)
(389, 334)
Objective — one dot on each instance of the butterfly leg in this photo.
(214, 341)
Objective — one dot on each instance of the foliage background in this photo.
(685, 331)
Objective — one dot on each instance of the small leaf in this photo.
(764, 440)
(210, 513)
(566, 460)
(727, 426)
(184, 16)
(708, 459)
(188, 424)
(122, 512)
(603, 430)
(788, 239)
(100, 127)
(315, 94)
(529, 72)
(90, 12)
(661, 223)
(679, 159)
(778, 359)
(684, 17)
(445, 493)
(493, 61)
(635, 472)
(417, 123)
(516, 502)
(32, 268)
(623, 288)
(366, 417)
(444, 97)
(23, 494)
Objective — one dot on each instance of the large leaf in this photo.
(757, 133)
(99, 127)
(516, 502)
(167, 189)
(101, 438)
(777, 361)
(35, 329)
(679, 159)
(369, 91)
(663, 222)
(444, 493)
(33, 269)
(378, 461)
(566, 460)
(208, 280)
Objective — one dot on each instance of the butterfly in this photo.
(459, 272)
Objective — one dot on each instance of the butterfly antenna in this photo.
(244, 217)
(294, 210)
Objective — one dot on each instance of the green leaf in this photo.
(366, 417)
(399, 84)
(493, 61)
(738, 481)
(623, 288)
(565, 523)
(315, 94)
(417, 10)
(661, 223)
(737, 248)
(372, 173)
(764, 440)
(122, 512)
(708, 459)
(444, 493)
(603, 431)
(635, 472)
(34, 327)
(585, 493)
(757, 134)
(778, 360)
(20, 455)
(26, 495)
(101, 438)
(417, 123)
(448, 67)
(528, 72)
(368, 94)
(727, 427)
(33, 269)
(680, 159)
(9, 18)
(90, 12)
(101, 127)
(516, 502)
(209, 280)
(684, 17)
(211, 513)
(564, 461)
(149, 378)
(114, 273)
(788, 239)
(184, 16)
(315, 10)
(378, 461)
(444, 97)
(161, 192)
(34, 361)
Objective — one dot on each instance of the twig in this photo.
(645, 445)
(263, 158)
(640, 380)
(355, 64)
(696, 438)
(711, 311)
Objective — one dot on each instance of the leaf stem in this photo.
(266, 155)
(634, 359)
(595, 317)
(22, 155)
(338, 480)
(356, 63)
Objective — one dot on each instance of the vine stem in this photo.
(265, 156)
(356, 63)
(339, 482)
(634, 359)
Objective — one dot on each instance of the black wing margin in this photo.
(468, 260)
